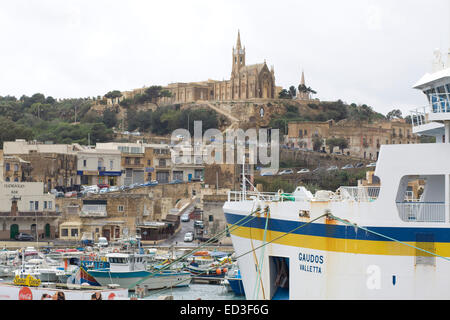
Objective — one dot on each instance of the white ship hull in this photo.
(330, 260)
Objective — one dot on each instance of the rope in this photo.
(220, 234)
(261, 259)
(283, 235)
(384, 236)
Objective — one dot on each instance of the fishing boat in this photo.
(234, 279)
(129, 269)
(388, 241)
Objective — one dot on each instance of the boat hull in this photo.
(330, 260)
(237, 286)
(129, 279)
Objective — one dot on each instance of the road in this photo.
(178, 238)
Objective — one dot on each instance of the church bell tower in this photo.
(238, 56)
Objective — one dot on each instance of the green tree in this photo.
(113, 94)
(284, 94)
(109, 118)
(394, 114)
(292, 92)
(317, 143)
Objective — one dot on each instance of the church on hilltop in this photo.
(247, 82)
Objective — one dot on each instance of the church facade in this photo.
(247, 82)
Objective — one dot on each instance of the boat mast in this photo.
(243, 178)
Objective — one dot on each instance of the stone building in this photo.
(364, 139)
(116, 215)
(53, 164)
(247, 82)
(15, 169)
(24, 207)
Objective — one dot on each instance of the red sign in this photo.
(111, 296)
(25, 294)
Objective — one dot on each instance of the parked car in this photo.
(337, 152)
(370, 165)
(267, 173)
(185, 217)
(332, 168)
(198, 224)
(286, 171)
(176, 181)
(102, 242)
(113, 189)
(24, 237)
(101, 186)
(59, 194)
(303, 171)
(188, 237)
(359, 165)
(70, 194)
(348, 166)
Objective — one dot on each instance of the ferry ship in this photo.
(391, 241)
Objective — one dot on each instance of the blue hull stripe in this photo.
(406, 234)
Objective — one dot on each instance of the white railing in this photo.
(237, 196)
(421, 211)
(359, 194)
(419, 116)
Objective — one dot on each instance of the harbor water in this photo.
(195, 291)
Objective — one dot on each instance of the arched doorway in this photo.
(14, 229)
(47, 230)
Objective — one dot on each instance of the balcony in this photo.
(421, 211)
(31, 214)
(133, 165)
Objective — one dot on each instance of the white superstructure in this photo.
(378, 242)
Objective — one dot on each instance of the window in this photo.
(45, 204)
(84, 163)
(7, 166)
(137, 161)
(64, 232)
(16, 167)
(50, 204)
(31, 205)
(149, 162)
(111, 164)
(120, 208)
(36, 205)
(74, 232)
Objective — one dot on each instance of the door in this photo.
(190, 177)
(107, 234)
(47, 230)
(14, 230)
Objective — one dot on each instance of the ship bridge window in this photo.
(118, 260)
(421, 198)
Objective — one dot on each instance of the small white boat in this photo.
(129, 270)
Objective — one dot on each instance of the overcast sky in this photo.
(361, 51)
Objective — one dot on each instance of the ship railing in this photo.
(359, 194)
(419, 116)
(421, 211)
(238, 196)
